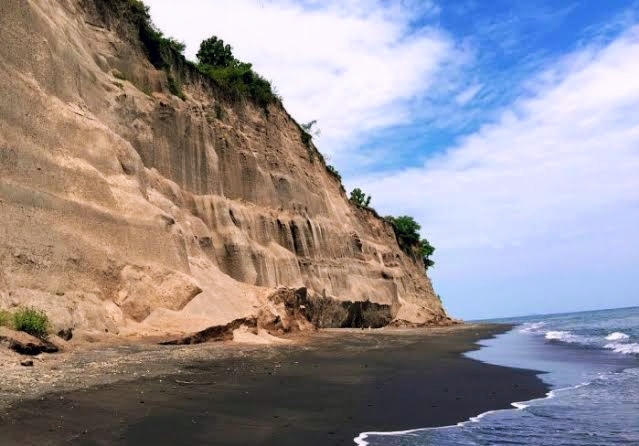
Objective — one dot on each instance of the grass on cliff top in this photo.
(237, 80)
(28, 319)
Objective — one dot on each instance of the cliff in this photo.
(125, 208)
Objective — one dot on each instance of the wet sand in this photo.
(321, 392)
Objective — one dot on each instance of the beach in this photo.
(322, 389)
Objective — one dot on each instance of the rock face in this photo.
(126, 209)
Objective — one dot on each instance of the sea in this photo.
(590, 360)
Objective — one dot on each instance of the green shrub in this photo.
(334, 172)
(32, 321)
(406, 230)
(6, 319)
(215, 53)
(240, 81)
(157, 46)
(407, 234)
(216, 60)
(236, 77)
(360, 199)
(307, 132)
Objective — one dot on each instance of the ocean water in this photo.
(591, 362)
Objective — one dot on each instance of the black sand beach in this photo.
(324, 392)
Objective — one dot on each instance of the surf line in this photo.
(360, 440)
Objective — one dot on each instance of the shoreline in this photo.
(325, 389)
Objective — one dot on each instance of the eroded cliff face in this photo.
(127, 209)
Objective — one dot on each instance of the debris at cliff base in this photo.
(325, 312)
(216, 333)
(437, 321)
(24, 343)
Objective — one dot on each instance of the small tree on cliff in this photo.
(406, 230)
(311, 128)
(407, 233)
(215, 53)
(427, 250)
(360, 198)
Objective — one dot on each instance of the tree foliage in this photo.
(406, 230)
(215, 53)
(409, 239)
(218, 62)
(427, 250)
(360, 198)
(156, 44)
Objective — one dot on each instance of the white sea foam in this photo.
(360, 440)
(520, 406)
(565, 336)
(617, 336)
(626, 349)
(531, 327)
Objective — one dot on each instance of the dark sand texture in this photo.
(323, 393)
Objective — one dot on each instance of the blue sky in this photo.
(509, 129)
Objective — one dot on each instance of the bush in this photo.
(6, 319)
(307, 132)
(157, 46)
(216, 60)
(359, 198)
(241, 81)
(32, 321)
(406, 230)
(215, 53)
(334, 172)
(238, 78)
(407, 234)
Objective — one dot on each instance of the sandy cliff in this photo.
(125, 208)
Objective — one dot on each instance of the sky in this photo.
(508, 129)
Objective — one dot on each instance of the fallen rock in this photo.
(26, 363)
(24, 343)
(66, 334)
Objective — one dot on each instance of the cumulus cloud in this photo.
(560, 167)
(354, 66)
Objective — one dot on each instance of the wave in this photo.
(626, 349)
(566, 336)
(617, 336)
(360, 440)
(531, 327)
(619, 339)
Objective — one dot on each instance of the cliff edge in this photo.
(127, 209)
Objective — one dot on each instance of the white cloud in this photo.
(559, 169)
(354, 66)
